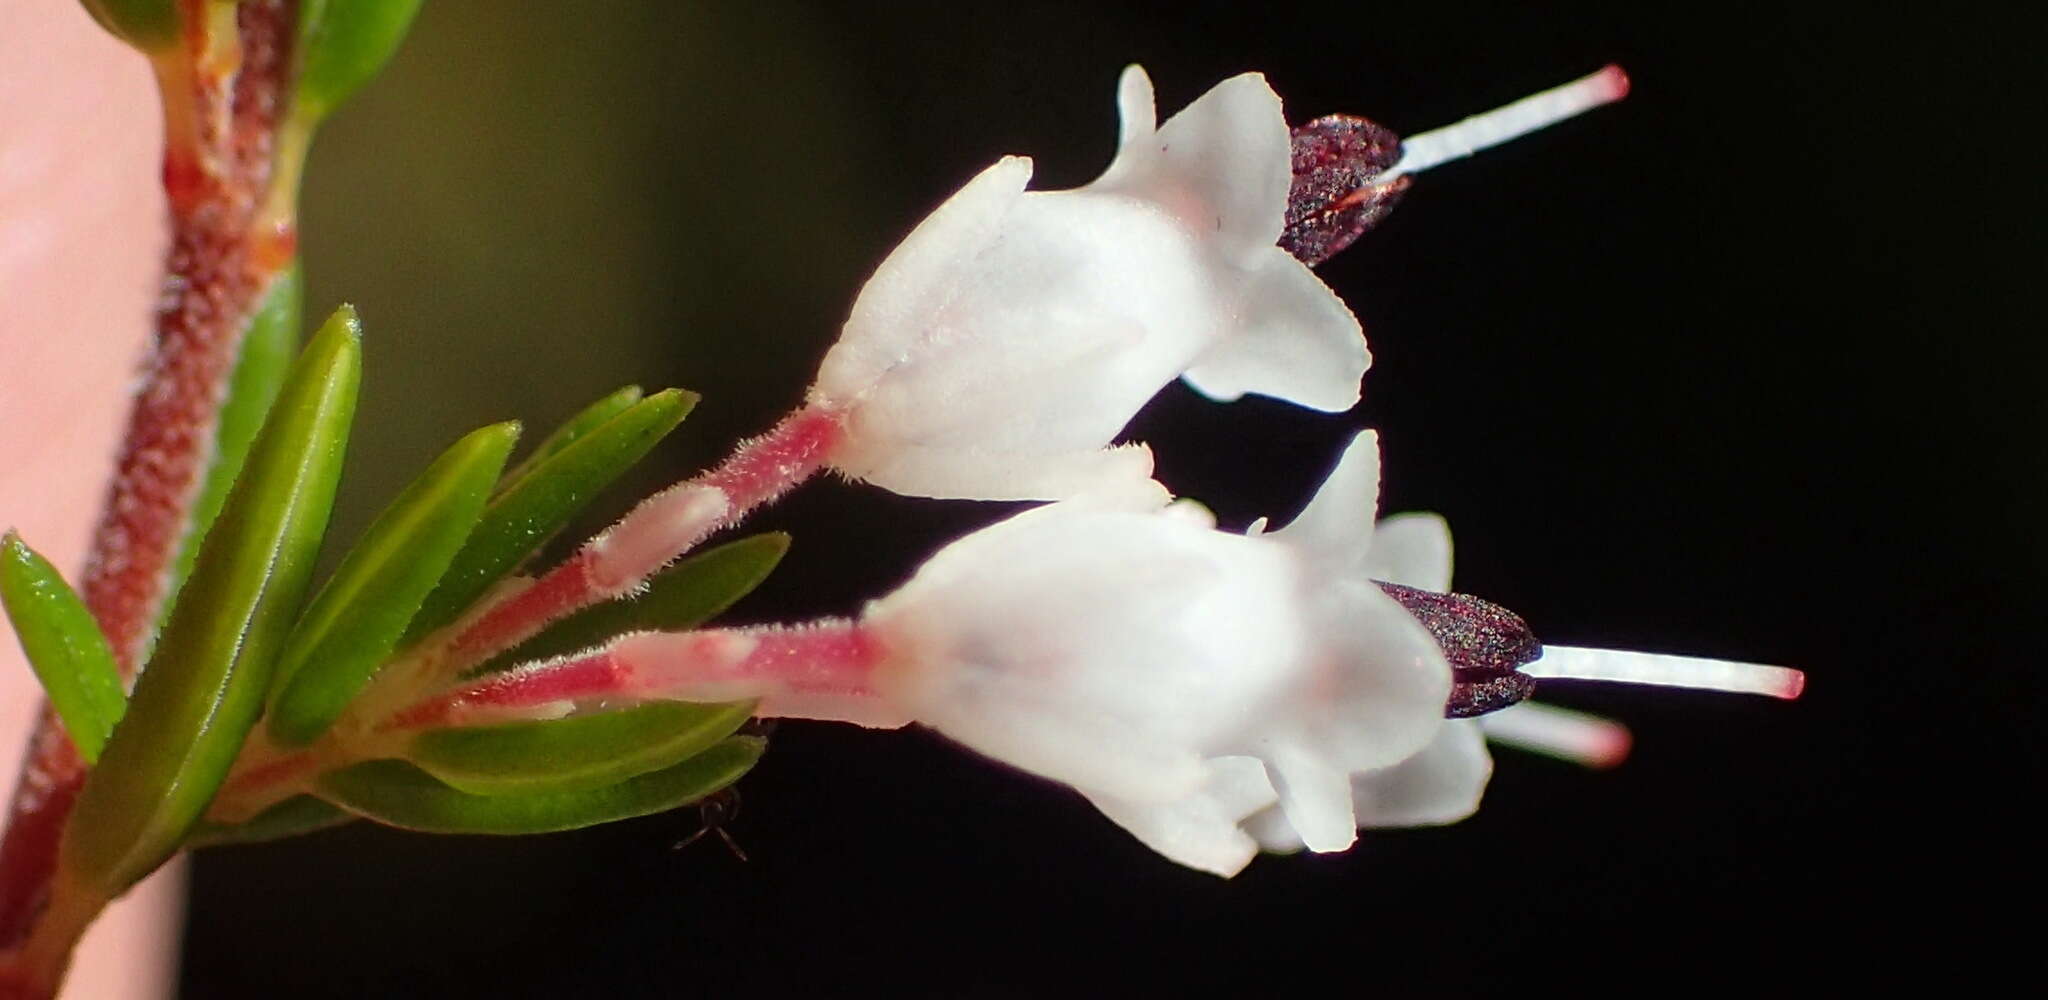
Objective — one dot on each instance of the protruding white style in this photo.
(1006, 342)
(1513, 121)
(1183, 678)
(1577, 737)
(1573, 663)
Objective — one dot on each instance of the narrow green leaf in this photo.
(203, 689)
(351, 627)
(149, 25)
(575, 754)
(519, 519)
(681, 597)
(268, 346)
(588, 419)
(290, 818)
(64, 645)
(342, 44)
(398, 794)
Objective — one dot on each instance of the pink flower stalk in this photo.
(656, 532)
(821, 670)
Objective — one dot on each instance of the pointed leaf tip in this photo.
(351, 627)
(574, 429)
(528, 512)
(195, 703)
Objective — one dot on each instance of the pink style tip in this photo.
(1613, 82)
(1586, 740)
(1610, 749)
(1795, 685)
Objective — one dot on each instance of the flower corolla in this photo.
(999, 349)
(1443, 782)
(1183, 678)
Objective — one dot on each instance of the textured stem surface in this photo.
(221, 122)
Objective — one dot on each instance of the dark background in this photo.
(1736, 368)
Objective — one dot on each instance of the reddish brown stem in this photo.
(218, 267)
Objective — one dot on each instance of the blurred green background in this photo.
(533, 210)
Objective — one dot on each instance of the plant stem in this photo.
(222, 98)
(36, 970)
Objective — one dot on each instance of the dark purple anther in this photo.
(1484, 643)
(1470, 699)
(1337, 194)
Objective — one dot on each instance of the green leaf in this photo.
(290, 818)
(398, 794)
(588, 419)
(520, 518)
(194, 705)
(149, 25)
(268, 346)
(352, 626)
(680, 598)
(574, 754)
(64, 645)
(342, 44)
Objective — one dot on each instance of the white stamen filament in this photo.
(1536, 111)
(1574, 737)
(1572, 663)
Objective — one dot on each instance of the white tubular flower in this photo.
(1444, 781)
(1006, 342)
(1181, 677)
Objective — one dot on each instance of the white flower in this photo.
(1442, 783)
(1006, 342)
(1181, 677)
